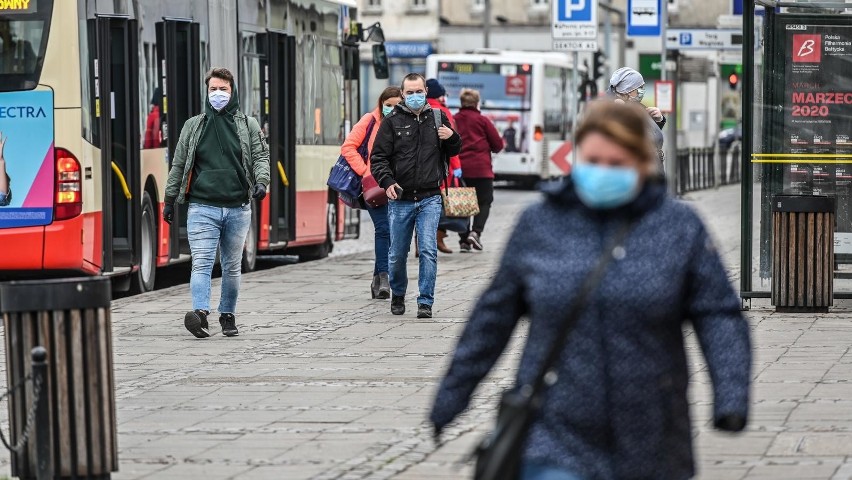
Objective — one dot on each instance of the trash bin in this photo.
(802, 253)
(71, 319)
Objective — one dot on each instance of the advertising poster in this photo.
(818, 113)
(26, 159)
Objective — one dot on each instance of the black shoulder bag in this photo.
(498, 457)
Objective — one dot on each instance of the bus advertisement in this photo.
(527, 95)
(93, 96)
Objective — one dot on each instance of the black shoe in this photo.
(464, 247)
(424, 311)
(397, 305)
(473, 241)
(229, 325)
(384, 286)
(196, 322)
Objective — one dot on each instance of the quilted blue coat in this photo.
(619, 408)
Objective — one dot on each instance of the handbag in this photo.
(343, 180)
(460, 200)
(498, 457)
(374, 195)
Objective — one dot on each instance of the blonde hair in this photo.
(625, 124)
(469, 98)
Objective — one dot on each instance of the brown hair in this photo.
(411, 77)
(388, 93)
(469, 98)
(625, 124)
(221, 74)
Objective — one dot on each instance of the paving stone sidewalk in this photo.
(324, 383)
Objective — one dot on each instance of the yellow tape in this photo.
(827, 158)
(283, 175)
(122, 180)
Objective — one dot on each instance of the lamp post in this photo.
(486, 23)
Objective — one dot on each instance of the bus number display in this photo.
(18, 6)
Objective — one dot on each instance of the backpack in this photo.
(439, 122)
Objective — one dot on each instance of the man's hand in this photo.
(391, 191)
(444, 132)
(655, 113)
(259, 191)
(169, 213)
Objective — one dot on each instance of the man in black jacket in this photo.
(409, 162)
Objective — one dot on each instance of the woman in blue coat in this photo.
(619, 407)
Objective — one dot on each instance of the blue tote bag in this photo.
(344, 180)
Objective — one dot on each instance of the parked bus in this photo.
(91, 111)
(527, 95)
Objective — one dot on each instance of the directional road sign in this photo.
(697, 39)
(643, 18)
(575, 20)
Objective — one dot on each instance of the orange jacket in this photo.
(349, 150)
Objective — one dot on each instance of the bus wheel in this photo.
(143, 279)
(250, 250)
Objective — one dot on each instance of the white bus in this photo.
(528, 96)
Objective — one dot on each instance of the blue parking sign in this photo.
(575, 10)
(686, 39)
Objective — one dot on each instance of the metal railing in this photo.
(703, 168)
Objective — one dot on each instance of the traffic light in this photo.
(598, 65)
(733, 80)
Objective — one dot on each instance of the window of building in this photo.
(373, 6)
(539, 4)
(477, 5)
(418, 5)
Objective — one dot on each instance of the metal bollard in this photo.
(44, 447)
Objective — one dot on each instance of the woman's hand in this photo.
(655, 113)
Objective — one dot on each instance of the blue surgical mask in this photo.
(218, 99)
(386, 110)
(605, 187)
(415, 101)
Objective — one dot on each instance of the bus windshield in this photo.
(505, 91)
(24, 28)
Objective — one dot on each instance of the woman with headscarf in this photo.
(628, 85)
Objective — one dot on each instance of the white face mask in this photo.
(218, 99)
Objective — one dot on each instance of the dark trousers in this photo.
(485, 197)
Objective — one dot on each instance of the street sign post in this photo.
(644, 18)
(704, 39)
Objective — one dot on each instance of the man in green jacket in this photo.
(221, 163)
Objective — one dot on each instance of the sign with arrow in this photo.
(704, 39)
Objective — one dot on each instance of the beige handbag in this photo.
(459, 200)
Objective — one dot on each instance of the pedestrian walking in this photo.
(628, 85)
(390, 98)
(618, 408)
(480, 139)
(436, 96)
(221, 163)
(409, 162)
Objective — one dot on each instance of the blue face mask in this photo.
(415, 101)
(386, 110)
(605, 187)
(218, 99)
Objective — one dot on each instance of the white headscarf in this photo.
(625, 80)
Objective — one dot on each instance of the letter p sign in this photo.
(575, 10)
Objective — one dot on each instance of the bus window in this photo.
(23, 41)
(555, 111)
(331, 102)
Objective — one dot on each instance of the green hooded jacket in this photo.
(252, 143)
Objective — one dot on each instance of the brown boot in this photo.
(441, 245)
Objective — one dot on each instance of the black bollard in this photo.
(44, 445)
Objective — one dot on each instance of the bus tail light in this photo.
(68, 202)
(538, 135)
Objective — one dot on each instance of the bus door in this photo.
(117, 90)
(349, 219)
(179, 74)
(278, 121)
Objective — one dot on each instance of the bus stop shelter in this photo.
(797, 126)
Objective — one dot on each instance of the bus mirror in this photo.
(380, 61)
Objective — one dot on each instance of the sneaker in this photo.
(229, 325)
(196, 322)
(397, 304)
(464, 247)
(473, 240)
(424, 311)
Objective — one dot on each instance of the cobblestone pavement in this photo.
(324, 383)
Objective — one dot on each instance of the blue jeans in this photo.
(210, 228)
(4, 199)
(404, 217)
(380, 222)
(537, 471)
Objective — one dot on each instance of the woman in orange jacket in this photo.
(369, 123)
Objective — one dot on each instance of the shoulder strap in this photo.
(589, 285)
(370, 128)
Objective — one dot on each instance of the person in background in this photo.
(390, 98)
(409, 162)
(221, 163)
(437, 98)
(5, 181)
(618, 408)
(628, 85)
(510, 137)
(153, 136)
(480, 139)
